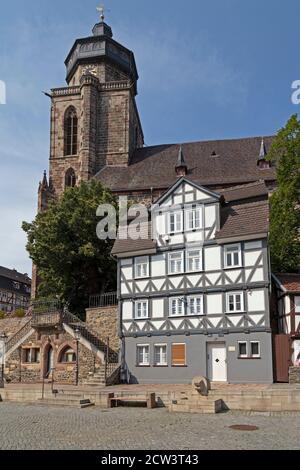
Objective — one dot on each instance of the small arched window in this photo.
(71, 132)
(70, 178)
(67, 355)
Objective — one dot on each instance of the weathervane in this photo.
(101, 10)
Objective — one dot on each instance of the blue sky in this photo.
(208, 70)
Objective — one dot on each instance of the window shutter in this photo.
(178, 355)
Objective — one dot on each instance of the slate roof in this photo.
(248, 191)
(235, 162)
(290, 282)
(14, 275)
(239, 220)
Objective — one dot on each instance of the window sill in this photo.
(230, 268)
(141, 365)
(179, 366)
(242, 312)
(142, 319)
(249, 358)
(141, 278)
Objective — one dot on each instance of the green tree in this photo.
(285, 201)
(72, 262)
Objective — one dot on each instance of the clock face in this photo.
(90, 69)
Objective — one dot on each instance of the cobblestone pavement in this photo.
(37, 427)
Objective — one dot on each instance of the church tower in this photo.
(94, 119)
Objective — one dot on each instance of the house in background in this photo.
(195, 299)
(15, 290)
(286, 314)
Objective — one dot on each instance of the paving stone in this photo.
(34, 427)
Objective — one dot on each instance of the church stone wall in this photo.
(17, 371)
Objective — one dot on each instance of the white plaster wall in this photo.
(210, 215)
(127, 272)
(212, 258)
(158, 266)
(214, 303)
(252, 257)
(157, 308)
(127, 310)
(256, 301)
(257, 276)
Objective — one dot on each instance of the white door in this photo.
(216, 362)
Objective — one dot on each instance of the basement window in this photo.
(255, 349)
(243, 349)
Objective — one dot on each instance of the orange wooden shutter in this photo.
(178, 355)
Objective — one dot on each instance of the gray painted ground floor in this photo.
(211, 356)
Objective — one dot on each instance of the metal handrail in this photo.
(13, 340)
(110, 299)
(91, 335)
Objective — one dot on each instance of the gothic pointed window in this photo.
(70, 178)
(71, 132)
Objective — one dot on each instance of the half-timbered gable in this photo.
(204, 275)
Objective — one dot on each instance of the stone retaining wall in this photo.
(294, 374)
(104, 320)
(10, 326)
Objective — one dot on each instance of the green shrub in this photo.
(2, 315)
(19, 313)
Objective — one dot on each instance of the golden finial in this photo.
(101, 10)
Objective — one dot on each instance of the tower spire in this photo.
(263, 151)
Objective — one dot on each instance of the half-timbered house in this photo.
(286, 316)
(194, 298)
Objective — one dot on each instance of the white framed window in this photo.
(234, 302)
(194, 261)
(193, 218)
(141, 309)
(160, 355)
(175, 222)
(141, 267)
(143, 354)
(176, 262)
(297, 304)
(233, 256)
(177, 307)
(255, 348)
(243, 349)
(195, 305)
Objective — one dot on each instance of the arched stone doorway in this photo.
(48, 360)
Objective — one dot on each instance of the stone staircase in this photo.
(98, 378)
(74, 401)
(193, 402)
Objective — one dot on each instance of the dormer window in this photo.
(175, 222)
(194, 219)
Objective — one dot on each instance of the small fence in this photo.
(109, 299)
